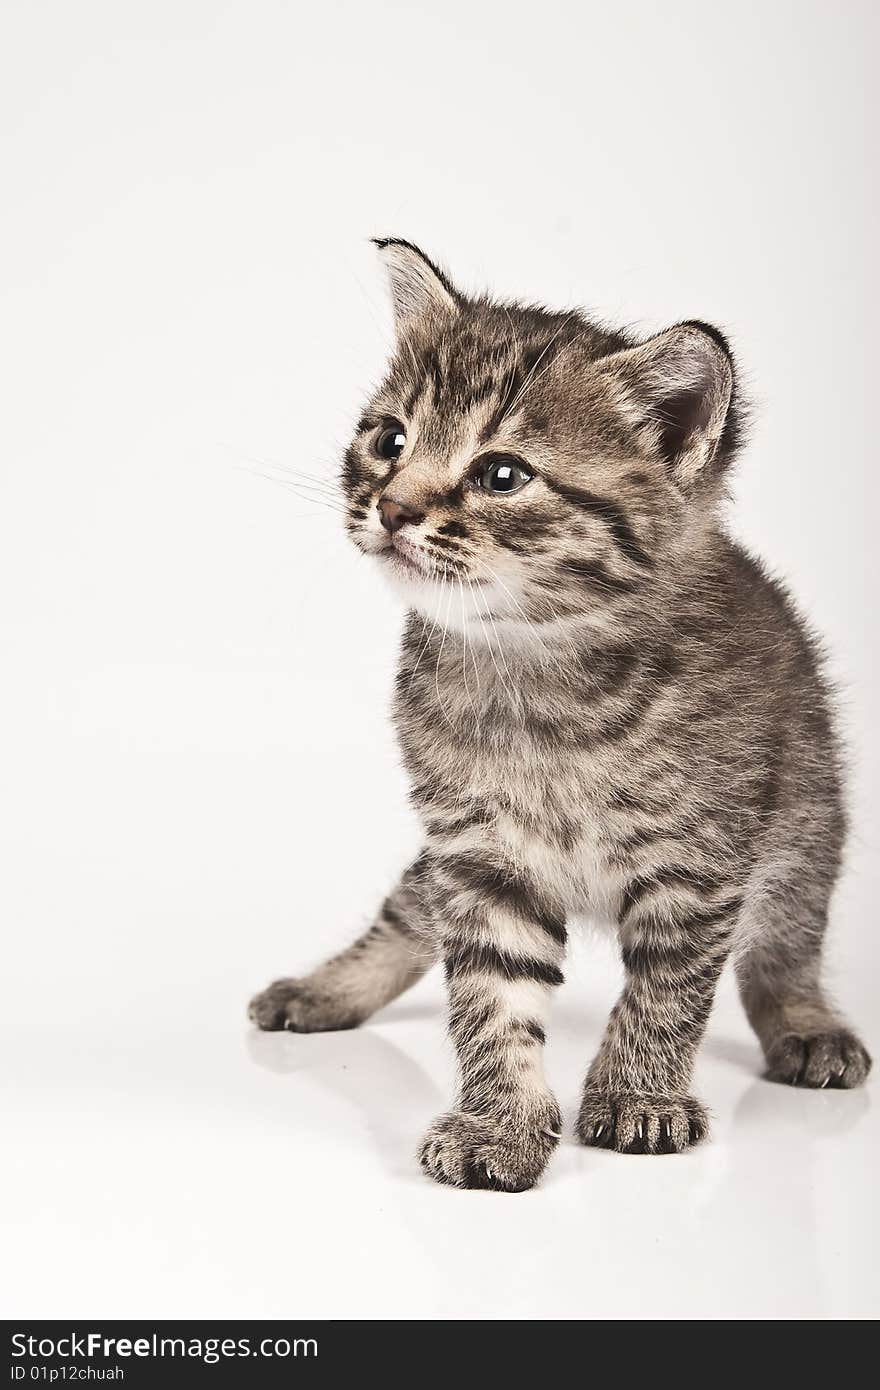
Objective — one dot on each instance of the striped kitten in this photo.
(605, 707)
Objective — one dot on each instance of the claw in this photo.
(553, 1133)
(597, 1132)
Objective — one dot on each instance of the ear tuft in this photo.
(419, 289)
(680, 384)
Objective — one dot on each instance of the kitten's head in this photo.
(521, 465)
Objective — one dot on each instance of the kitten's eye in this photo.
(391, 442)
(503, 473)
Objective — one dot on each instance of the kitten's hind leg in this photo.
(392, 955)
(805, 1040)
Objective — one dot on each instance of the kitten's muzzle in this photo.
(393, 514)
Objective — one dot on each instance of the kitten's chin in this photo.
(455, 604)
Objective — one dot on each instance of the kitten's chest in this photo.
(537, 805)
(548, 816)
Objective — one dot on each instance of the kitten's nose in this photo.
(393, 514)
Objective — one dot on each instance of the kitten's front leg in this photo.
(637, 1098)
(502, 949)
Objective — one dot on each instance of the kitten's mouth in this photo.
(405, 561)
(411, 560)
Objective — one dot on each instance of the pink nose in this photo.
(393, 514)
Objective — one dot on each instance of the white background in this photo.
(200, 785)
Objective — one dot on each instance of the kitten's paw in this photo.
(634, 1124)
(300, 1008)
(501, 1155)
(835, 1059)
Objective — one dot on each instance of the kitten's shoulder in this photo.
(769, 620)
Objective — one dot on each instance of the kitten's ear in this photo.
(680, 388)
(419, 290)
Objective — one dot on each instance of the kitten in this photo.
(605, 707)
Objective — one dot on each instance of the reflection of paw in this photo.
(634, 1124)
(502, 1155)
(297, 1006)
(835, 1059)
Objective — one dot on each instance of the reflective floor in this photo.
(210, 1170)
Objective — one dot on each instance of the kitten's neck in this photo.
(504, 653)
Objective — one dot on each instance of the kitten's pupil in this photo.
(504, 475)
(391, 442)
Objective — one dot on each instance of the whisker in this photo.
(422, 649)
(502, 408)
(314, 479)
(327, 490)
(553, 656)
(483, 626)
(505, 685)
(531, 376)
(440, 654)
(464, 652)
(471, 645)
(315, 500)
